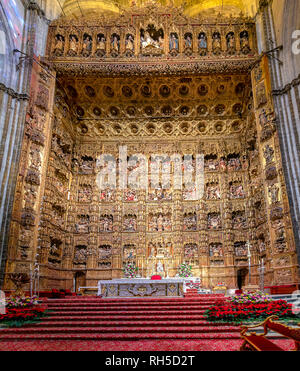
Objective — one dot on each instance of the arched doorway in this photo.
(79, 280)
(241, 277)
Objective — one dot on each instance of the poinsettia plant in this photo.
(185, 270)
(20, 310)
(249, 307)
(130, 270)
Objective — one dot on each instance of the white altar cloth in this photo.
(141, 287)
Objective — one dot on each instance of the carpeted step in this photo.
(127, 313)
(118, 329)
(200, 298)
(53, 317)
(116, 305)
(122, 336)
(131, 308)
(129, 322)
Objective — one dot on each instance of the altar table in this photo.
(141, 288)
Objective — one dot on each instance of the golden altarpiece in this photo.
(156, 82)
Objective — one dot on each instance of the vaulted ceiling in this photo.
(75, 8)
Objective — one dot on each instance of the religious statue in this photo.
(106, 223)
(173, 44)
(129, 45)
(101, 46)
(87, 46)
(130, 223)
(59, 45)
(115, 45)
(188, 41)
(160, 268)
(73, 45)
(214, 221)
(152, 45)
(213, 192)
(230, 43)
(274, 193)
(216, 44)
(268, 154)
(244, 40)
(202, 44)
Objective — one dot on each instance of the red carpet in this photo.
(91, 323)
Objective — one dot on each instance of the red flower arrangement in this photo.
(236, 312)
(20, 311)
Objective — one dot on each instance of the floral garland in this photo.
(130, 270)
(185, 270)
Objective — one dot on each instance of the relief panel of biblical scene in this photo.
(129, 252)
(240, 249)
(130, 223)
(160, 222)
(214, 221)
(190, 222)
(215, 250)
(106, 223)
(236, 190)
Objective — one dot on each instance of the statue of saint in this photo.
(160, 267)
(173, 42)
(73, 47)
(129, 43)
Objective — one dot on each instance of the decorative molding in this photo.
(158, 68)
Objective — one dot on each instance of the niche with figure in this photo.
(129, 45)
(129, 253)
(190, 222)
(240, 249)
(55, 252)
(230, 41)
(214, 221)
(160, 222)
(73, 45)
(216, 250)
(190, 251)
(211, 162)
(80, 256)
(87, 45)
(212, 191)
(188, 43)
(82, 225)
(105, 257)
(202, 43)
(130, 223)
(106, 223)
(101, 45)
(234, 162)
(239, 220)
(85, 193)
(152, 41)
(59, 45)
(236, 190)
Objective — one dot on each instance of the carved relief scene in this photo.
(162, 149)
